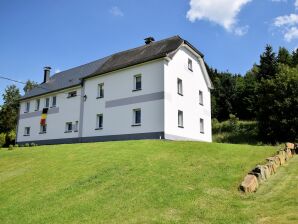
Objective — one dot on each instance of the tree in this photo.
(9, 109)
(278, 105)
(284, 57)
(30, 85)
(268, 64)
(295, 58)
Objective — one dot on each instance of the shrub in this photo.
(2, 139)
(16, 146)
(27, 145)
(10, 147)
(32, 144)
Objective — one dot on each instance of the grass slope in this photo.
(140, 182)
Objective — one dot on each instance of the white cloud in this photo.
(296, 4)
(222, 12)
(287, 20)
(116, 11)
(291, 34)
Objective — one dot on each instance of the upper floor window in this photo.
(201, 98)
(100, 90)
(179, 87)
(180, 119)
(54, 101)
(47, 103)
(137, 117)
(72, 94)
(37, 104)
(68, 127)
(27, 109)
(202, 126)
(27, 131)
(189, 64)
(43, 129)
(99, 121)
(137, 82)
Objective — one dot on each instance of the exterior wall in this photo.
(120, 100)
(189, 102)
(66, 110)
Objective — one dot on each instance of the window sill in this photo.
(202, 132)
(67, 131)
(201, 104)
(99, 97)
(180, 126)
(181, 94)
(41, 133)
(135, 90)
(75, 131)
(26, 112)
(98, 128)
(26, 135)
(52, 106)
(190, 69)
(136, 125)
(36, 110)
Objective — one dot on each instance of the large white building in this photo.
(160, 90)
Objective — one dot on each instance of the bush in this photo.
(10, 147)
(27, 145)
(16, 146)
(2, 139)
(32, 144)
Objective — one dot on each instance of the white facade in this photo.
(158, 100)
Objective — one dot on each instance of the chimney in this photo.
(149, 40)
(46, 75)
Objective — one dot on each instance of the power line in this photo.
(13, 80)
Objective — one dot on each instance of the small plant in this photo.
(16, 146)
(2, 139)
(27, 145)
(10, 147)
(32, 144)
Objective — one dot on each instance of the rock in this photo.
(271, 167)
(281, 158)
(249, 184)
(290, 145)
(261, 172)
(275, 160)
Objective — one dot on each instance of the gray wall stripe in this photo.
(137, 136)
(53, 110)
(135, 99)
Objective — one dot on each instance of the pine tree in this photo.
(268, 64)
(295, 58)
(284, 57)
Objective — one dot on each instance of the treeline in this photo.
(267, 93)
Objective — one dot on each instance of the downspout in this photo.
(81, 119)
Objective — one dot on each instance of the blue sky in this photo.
(68, 33)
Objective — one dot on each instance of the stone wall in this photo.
(262, 173)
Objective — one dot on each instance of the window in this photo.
(76, 127)
(180, 119)
(72, 94)
(137, 82)
(179, 87)
(27, 109)
(68, 127)
(47, 104)
(43, 129)
(202, 126)
(54, 101)
(27, 131)
(99, 122)
(201, 99)
(189, 64)
(37, 104)
(100, 93)
(137, 117)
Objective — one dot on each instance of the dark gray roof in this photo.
(74, 76)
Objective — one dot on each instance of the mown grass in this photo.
(138, 182)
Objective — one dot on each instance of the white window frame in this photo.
(98, 126)
(201, 97)
(72, 94)
(27, 131)
(27, 107)
(100, 90)
(202, 128)
(68, 127)
(135, 82)
(54, 97)
(180, 119)
(37, 104)
(47, 102)
(179, 86)
(190, 65)
(134, 117)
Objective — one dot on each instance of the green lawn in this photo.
(142, 182)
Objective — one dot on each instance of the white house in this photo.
(160, 90)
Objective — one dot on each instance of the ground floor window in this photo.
(202, 125)
(27, 131)
(68, 127)
(137, 117)
(43, 129)
(180, 119)
(99, 122)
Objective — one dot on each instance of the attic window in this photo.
(72, 94)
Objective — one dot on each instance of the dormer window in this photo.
(189, 64)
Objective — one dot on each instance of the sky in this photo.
(67, 33)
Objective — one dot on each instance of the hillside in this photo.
(141, 182)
